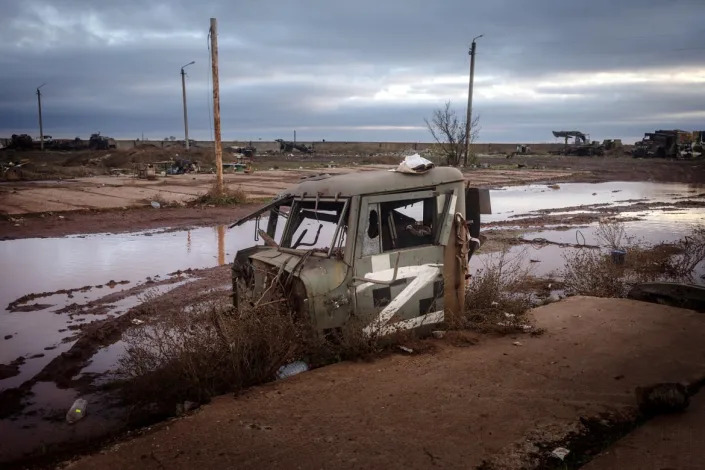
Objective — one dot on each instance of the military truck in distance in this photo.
(664, 144)
(388, 248)
(99, 142)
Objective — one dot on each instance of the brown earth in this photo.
(115, 204)
(75, 205)
(668, 442)
(501, 403)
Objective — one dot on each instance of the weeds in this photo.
(594, 272)
(208, 351)
(227, 197)
(213, 349)
(495, 300)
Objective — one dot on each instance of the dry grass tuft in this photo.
(208, 351)
(227, 197)
(495, 300)
(593, 272)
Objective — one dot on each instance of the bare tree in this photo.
(449, 133)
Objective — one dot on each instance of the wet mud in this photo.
(77, 332)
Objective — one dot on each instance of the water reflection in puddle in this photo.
(524, 199)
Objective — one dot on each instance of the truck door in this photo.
(399, 259)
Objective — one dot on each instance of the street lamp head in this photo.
(40, 86)
(477, 37)
(190, 63)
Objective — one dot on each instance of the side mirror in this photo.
(477, 202)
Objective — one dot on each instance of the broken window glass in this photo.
(411, 222)
(370, 236)
(313, 223)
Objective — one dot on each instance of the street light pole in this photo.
(468, 123)
(183, 92)
(41, 127)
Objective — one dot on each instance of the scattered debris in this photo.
(291, 369)
(77, 411)
(414, 164)
(438, 334)
(406, 350)
(518, 343)
(156, 205)
(560, 453)
(137, 321)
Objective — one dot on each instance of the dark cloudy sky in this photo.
(353, 70)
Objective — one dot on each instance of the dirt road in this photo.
(670, 441)
(505, 402)
(115, 204)
(109, 192)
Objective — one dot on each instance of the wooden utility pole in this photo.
(216, 109)
(468, 123)
(41, 126)
(183, 93)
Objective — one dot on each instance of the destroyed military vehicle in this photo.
(386, 247)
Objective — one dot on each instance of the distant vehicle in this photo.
(286, 146)
(99, 142)
(47, 139)
(665, 144)
(581, 146)
(21, 142)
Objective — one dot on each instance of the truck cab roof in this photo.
(372, 182)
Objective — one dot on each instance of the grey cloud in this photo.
(114, 66)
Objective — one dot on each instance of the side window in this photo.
(409, 223)
(370, 236)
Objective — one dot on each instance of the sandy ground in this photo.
(120, 204)
(667, 442)
(110, 192)
(505, 402)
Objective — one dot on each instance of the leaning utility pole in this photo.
(216, 108)
(468, 123)
(183, 92)
(41, 127)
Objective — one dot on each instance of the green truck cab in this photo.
(388, 247)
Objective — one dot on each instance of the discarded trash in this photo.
(438, 334)
(414, 164)
(494, 304)
(137, 321)
(156, 205)
(517, 343)
(560, 453)
(618, 256)
(509, 315)
(293, 368)
(406, 350)
(77, 411)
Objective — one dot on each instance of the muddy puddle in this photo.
(545, 215)
(55, 289)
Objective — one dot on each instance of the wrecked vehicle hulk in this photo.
(388, 248)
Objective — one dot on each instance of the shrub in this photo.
(495, 300)
(194, 355)
(227, 197)
(593, 272)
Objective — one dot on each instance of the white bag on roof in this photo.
(414, 164)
